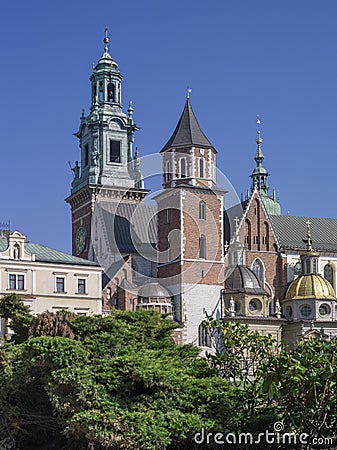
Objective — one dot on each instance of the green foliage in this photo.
(241, 358)
(18, 315)
(121, 383)
(303, 383)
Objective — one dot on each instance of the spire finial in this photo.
(189, 90)
(308, 222)
(106, 39)
(258, 122)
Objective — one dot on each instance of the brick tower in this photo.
(190, 226)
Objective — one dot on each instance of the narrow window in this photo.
(202, 247)
(307, 265)
(258, 269)
(59, 284)
(100, 92)
(328, 273)
(183, 168)
(115, 151)
(266, 239)
(12, 281)
(111, 93)
(249, 234)
(21, 282)
(86, 155)
(168, 214)
(202, 210)
(167, 175)
(201, 168)
(81, 286)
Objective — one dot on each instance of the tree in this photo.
(303, 383)
(241, 357)
(53, 324)
(122, 380)
(17, 315)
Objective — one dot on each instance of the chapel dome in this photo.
(243, 279)
(310, 286)
(153, 289)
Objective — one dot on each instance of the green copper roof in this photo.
(46, 254)
(291, 232)
(272, 206)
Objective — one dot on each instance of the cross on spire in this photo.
(308, 222)
(106, 39)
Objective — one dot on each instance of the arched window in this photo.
(183, 168)
(248, 238)
(201, 168)
(111, 93)
(257, 268)
(328, 273)
(202, 247)
(202, 210)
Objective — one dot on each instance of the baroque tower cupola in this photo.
(106, 135)
(109, 170)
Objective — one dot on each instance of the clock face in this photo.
(81, 239)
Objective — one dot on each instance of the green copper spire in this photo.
(259, 175)
(260, 178)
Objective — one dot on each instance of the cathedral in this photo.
(184, 254)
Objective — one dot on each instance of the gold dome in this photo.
(310, 286)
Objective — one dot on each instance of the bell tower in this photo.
(190, 226)
(108, 167)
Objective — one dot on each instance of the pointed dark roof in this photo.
(188, 131)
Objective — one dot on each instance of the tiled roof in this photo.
(291, 232)
(46, 254)
(129, 225)
(188, 131)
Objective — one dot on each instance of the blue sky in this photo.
(241, 58)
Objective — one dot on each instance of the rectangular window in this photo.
(21, 282)
(16, 282)
(60, 284)
(81, 288)
(167, 216)
(115, 151)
